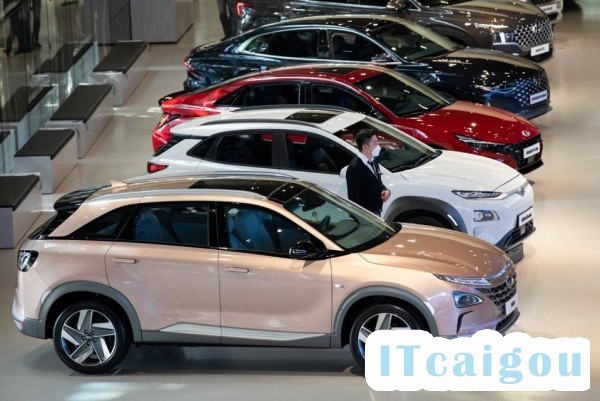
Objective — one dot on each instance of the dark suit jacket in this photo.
(364, 187)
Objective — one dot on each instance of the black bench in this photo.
(51, 153)
(70, 66)
(27, 110)
(87, 110)
(124, 67)
(20, 206)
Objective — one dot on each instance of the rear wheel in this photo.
(90, 338)
(379, 317)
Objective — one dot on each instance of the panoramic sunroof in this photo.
(315, 117)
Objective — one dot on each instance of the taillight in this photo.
(241, 7)
(167, 118)
(154, 167)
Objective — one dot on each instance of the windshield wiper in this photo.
(421, 160)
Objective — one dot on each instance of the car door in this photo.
(165, 262)
(315, 159)
(266, 296)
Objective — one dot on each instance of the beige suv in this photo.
(245, 259)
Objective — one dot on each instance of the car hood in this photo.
(500, 13)
(462, 171)
(472, 61)
(477, 121)
(439, 251)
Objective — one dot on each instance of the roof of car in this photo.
(349, 20)
(327, 118)
(254, 185)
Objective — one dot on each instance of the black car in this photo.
(512, 27)
(481, 76)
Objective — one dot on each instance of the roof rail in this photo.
(165, 176)
(316, 107)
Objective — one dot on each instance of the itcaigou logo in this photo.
(412, 360)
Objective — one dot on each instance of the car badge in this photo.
(522, 191)
(534, 28)
(526, 133)
(510, 281)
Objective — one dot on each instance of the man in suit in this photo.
(363, 177)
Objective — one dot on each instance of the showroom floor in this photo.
(558, 296)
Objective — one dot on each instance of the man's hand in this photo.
(385, 195)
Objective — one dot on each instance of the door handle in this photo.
(121, 260)
(232, 269)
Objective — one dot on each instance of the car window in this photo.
(309, 153)
(398, 150)
(106, 227)
(264, 95)
(350, 46)
(336, 96)
(260, 230)
(403, 97)
(345, 223)
(413, 42)
(252, 149)
(176, 223)
(302, 43)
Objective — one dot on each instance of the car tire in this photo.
(379, 317)
(90, 337)
(426, 221)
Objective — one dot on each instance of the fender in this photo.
(91, 287)
(439, 207)
(402, 295)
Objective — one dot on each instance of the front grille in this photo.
(538, 33)
(527, 86)
(542, 2)
(516, 152)
(500, 294)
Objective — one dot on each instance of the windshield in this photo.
(403, 96)
(413, 42)
(345, 223)
(398, 150)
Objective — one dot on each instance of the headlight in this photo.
(477, 194)
(482, 145)
(464, 280)
(26, 259)
(490, 26)
(464, 299)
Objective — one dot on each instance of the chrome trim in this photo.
(196, 329)
(264, 335)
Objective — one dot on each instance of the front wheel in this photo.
(90, 338)
(379, 317)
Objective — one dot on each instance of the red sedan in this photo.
(379, 92)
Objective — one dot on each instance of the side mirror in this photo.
(303, 250)
(382, 58)
(398, 5)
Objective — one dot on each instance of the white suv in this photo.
(468, 193)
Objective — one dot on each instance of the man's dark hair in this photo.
(363, 137)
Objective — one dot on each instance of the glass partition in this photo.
(47, 50)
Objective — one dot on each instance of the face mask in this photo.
(376, 151)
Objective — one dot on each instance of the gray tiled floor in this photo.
(558, 280)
